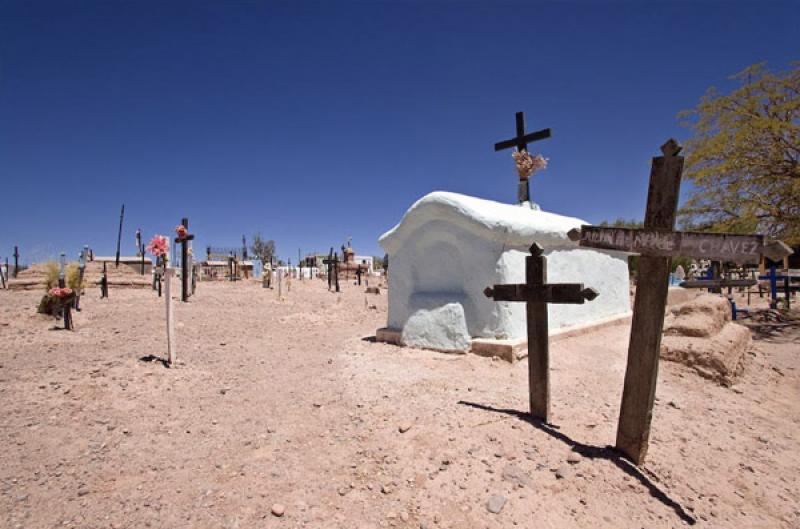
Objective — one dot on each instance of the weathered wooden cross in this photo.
(16, 261)
(537, 293)
(521, 142)
(658, 243)
(185, 265)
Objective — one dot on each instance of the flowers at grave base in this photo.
(181, 231)
(527, 164)
(159, 247)
(56, 300)
(57, 292)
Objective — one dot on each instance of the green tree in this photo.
(262, 248)
(744, 157)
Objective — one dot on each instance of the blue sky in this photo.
(315, 121)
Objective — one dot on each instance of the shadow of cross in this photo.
(537, 293)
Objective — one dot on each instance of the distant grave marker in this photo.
(183, 238)
(537, 293)
(16, 261)
(104, 283)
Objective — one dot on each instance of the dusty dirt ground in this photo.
(291, 403)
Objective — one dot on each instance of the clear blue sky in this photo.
(312, 122)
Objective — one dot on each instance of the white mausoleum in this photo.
(449, 247)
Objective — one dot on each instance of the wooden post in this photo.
(81, 272)
(280, 283)
(16, 261)
(104, 283)
(172, 351)
(119, 235)
(336, 271)
(66, 309)
(641, 373)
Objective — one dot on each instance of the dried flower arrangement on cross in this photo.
(527, 164)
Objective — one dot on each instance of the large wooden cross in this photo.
(521, 141)
(537, 293)
(184, 242)
(657, 243)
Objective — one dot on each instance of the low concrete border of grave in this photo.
(517, 349)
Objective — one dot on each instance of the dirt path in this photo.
(288, 402)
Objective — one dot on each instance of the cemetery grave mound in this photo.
(35, 277)
(701, 335)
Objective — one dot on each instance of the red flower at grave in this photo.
(159, 246)
(181, 231)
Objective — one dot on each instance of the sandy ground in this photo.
(290, 402)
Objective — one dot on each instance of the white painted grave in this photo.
(449, 247)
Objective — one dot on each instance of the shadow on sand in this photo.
(594, 452)
(157, 359)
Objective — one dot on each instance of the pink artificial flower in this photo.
(158, 246)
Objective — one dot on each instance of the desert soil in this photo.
(290, 405)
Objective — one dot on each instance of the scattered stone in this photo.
(563, 472)
(496, 503)
(404, 427)
(517, 476)
(278, 510)
(574, 458)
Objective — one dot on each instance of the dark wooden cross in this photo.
(16, 261)
(537, 293)
(521, 141)
(3, 275)
(184, 242)
(657, 243)
(104, 283)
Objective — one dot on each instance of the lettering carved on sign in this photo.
(717, 246)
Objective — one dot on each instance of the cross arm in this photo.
(522, 140)
(568, 293)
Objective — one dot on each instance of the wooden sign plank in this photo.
(718, 283)
(659, 243)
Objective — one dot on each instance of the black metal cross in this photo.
(537, 293)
